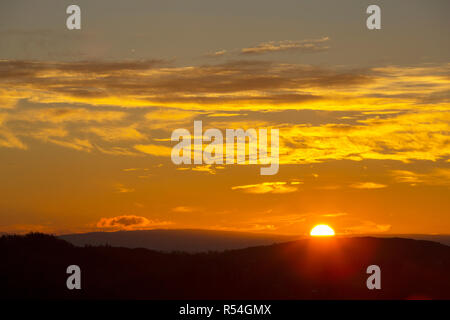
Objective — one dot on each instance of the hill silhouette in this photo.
(196, 240)
(188, 240)
(34, 266)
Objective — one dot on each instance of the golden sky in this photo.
(86, 116)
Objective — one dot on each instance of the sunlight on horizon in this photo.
(322, 230)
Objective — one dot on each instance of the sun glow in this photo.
(322, 230)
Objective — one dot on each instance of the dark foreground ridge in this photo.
(34, 266)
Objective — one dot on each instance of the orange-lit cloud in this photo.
(406, 137)
(9, 140)
(184, 209)
(368, 185)
(437, 177)
(268, 187)
(335, 215)
(227, 86)
(129, 222)
(117, 133)
(154, 150)
(367, 227)
(67, 114)
(120, 188)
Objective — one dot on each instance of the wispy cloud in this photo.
(65, 114)
(305, 46)
(437, 177)
(368, 185)
(249, 84)
(184, 209)
(368, 227)
(120, 188)
(211, 169)
(77, 144)
(215, 54)
(335, 215)
(154, 150)
(117, 133)
(10, 140)
(268, 187)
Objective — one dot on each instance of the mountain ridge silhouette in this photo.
(188, 240)
(200, 240)
(34, 266)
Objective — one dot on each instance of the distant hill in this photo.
(188, 240)
(441, 238)
(193, 240)
(34, 266)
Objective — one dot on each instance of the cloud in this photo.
(154, 150)
(24, 68)
(247, 227)
(9, 140)
(265, 221)
(436, 177)
(215, 54)
(119, 85)
(335, 215)
(106, 123)
(59, 136)
(51, 125)
(368, 227)
(207, 168)
(405, 176)
(211, 169)
(243, 83)
(76, 144)
(304, 46)
(64, 114)
(118, 151)
(223, 114)
(368, 185)
(404, 137)
(267, 187)
(135, 169)
(184, 209)
(120, 188)
(329, 187)
(130, 222)
(172, 115)
(117, 133)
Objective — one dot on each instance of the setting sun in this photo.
(322, 230)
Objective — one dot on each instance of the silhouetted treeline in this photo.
(34, 266)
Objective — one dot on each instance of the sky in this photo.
(86, 115)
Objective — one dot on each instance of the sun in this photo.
(322, 230)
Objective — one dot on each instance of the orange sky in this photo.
(363, 117)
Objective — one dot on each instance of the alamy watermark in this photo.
(249, 146)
